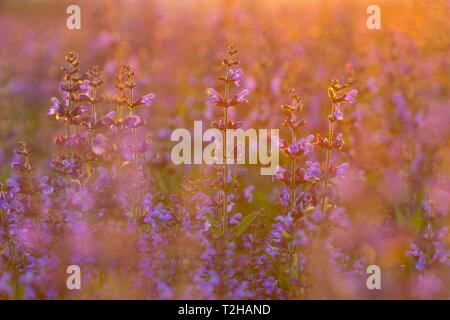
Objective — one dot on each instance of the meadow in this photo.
(87, 178)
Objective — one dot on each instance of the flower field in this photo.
(87, 171)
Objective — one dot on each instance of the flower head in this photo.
(300, 147)
(312, 171)
(337, 113)
(148, 99)
(350, 97)
(236, 76)
(214, 96)
(56, 109)
(340, 170)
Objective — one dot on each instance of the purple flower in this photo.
(337, 113)
(78, 111)
(108, 119)
(142, 147)
(156, 212)
(148, 99)
(260, 260)
(44, 186)
(3, 202)
(441, 253)
(414, 251)
(56, 109)
(280, 174)
(433, 240)
(421, 263)
(247, 241)
(85, 86)
(240, 97)
(350, 96)
(236, 218)
(338, 142)
(317, 215)
(301, 147)
(340, 170)
(270, 251)
(164, 291)
(132, 121)
(13, 185)
(270, 284)
(312, 171)
(63, 87)
(4, 286)
(248, 193)
(236, 76)
(100, 144)
(285, 198)
(214, 96)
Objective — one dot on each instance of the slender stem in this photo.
(294, 140)
(68, 119)
(91, 129)
(134, 136)
(68, 137)
(93, 115)
(327, 160)
(12, 257)
(135, 159)
(117, 118)
(134, 146)
(225, 155)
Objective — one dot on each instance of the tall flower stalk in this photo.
(74, 90)
(95, 82)
(8, 235)
(71, 88)
(232, 76)
(297, 147)
(288, 238)
(130, 84)
(126, 85)
(91, 88)
(338, 97)
(228, 62)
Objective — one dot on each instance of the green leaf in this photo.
(243, 226)
(210, 218)
(160, 180)
(217, 232)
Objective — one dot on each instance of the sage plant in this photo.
(233, 76)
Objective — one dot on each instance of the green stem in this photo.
(294, 140)
(135, 160)
(225, 156)
(68, 137)
(12, 258)
(93, 116)
(68, 119)
(327, 160)
(91, 129)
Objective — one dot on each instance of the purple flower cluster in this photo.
(430, 247)
(105, 206)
